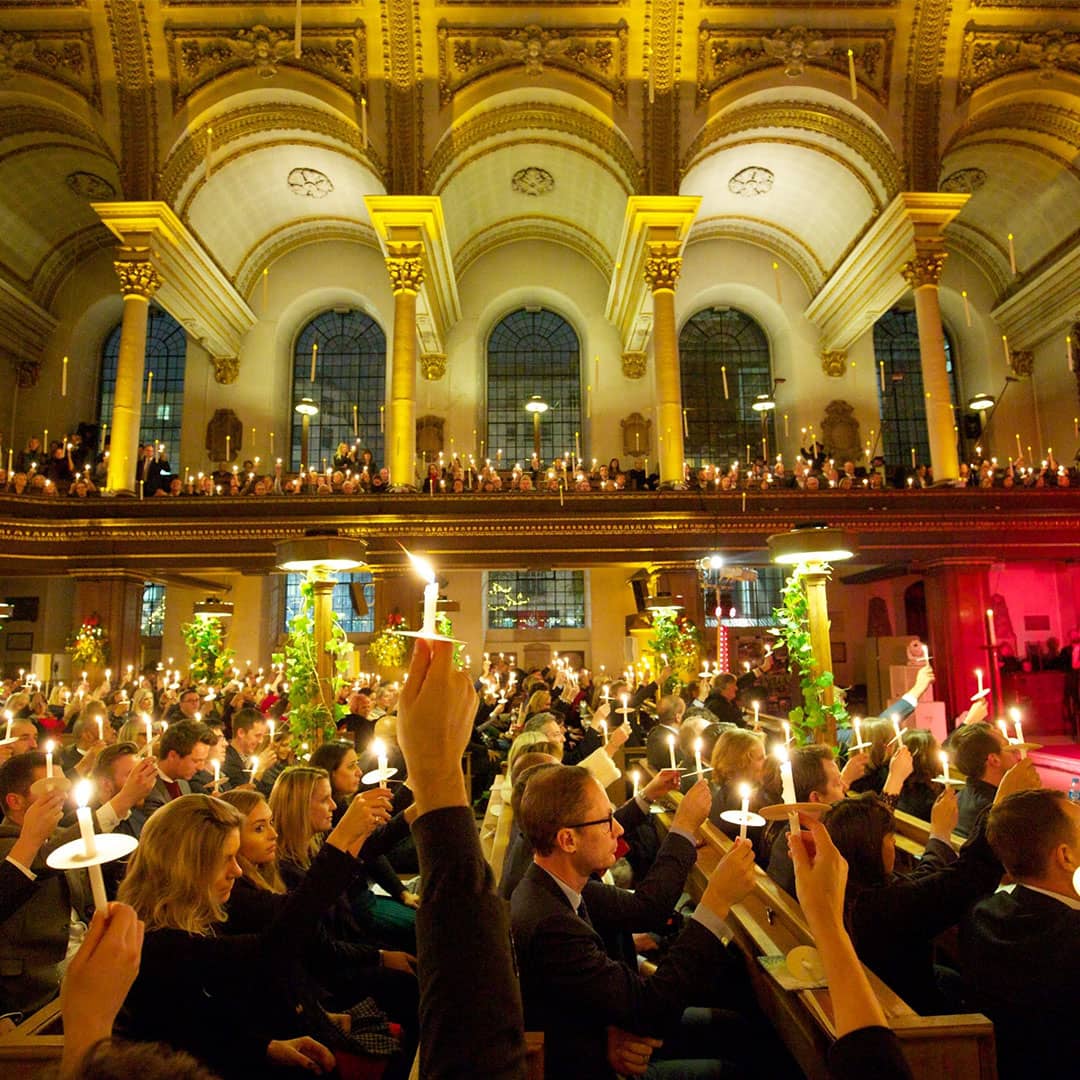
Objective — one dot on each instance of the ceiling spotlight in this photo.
(981, 402)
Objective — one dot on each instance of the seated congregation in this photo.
(262, 925)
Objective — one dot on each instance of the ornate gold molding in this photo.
(729, 53)
(129, 34)
(226, 369)
(138, 277)
(405, 265)
(534, 227)
(662, 266)
(65, 57)
(661, 95)
(834, 363)
(925, 269)
(469, 52)
(633, 365)
(991, 54)
(403, 70)
(818, 119)
(1054, 120)
(922, 92)
(433, 366)
(453, 151)
(199, 55)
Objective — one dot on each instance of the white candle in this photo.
(8, 717)
(990, 627)
(896, 727)
(858, 731)
(670, 746)
(744, 792)
(149, 729)
(271, 726)
(216, 765)
(380, 756)
(1004, 728)
(637, 780)
(604, 731)
(978, 675)
(431, 593)
(787, 731)
(787, 782)
(1014, 715)
(757, 710)
(254, 767)
(86, 831)
(63, 378)
(100, 730)
(48, 759)
(697, 756)
(945, 766)
(624, 698)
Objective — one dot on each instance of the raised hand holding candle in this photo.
(698, 746)
(787, 782)
(744, 794)
(945, 765)
(431, 593)
(670, 746)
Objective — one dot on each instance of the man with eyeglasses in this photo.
(585, 1001)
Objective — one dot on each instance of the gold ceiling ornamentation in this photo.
(925, 269)
(661, 95)
(198, 55)
(922, 93)
(1022, 362)
(433, 366)
(471, 52)
(453, 149)
(403, 71)
(534, 227)
(834, 363)
(129, 34)
(633, 365)
(226, 369)
(819, 119)
(32, 119)
(65, 57)
(62, 260)
(405, 265)
(1053, 120)
(991, 54)
(662, 267)
(728, 53)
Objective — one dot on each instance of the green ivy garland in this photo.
(310, 721)
(89, 645)
(679, 640)
(211, 662)
(793, 617)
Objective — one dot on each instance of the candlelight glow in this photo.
(422, 567)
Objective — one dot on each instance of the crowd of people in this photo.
(327, 908)
(74, 467)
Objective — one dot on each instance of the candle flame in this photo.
(781, 754)
(421, 566)
(378, 748)
(944, 757)
(83, 791)
(744, 791)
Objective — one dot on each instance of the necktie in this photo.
(583, 913)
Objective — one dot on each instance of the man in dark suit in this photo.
(722, 701)
(182, 752)
(249, 730)
(659, 740)
(1021, 950)
(572, 989)
(984, 756)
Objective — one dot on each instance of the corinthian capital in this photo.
(405, 265)
(924, 269)
(137, 277)
(663, 265)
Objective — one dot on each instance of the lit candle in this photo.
(637, 780)
(1014, 715)
(945, 765)
(356, 421)
(1012, 254)
(216, 765)
(271, 726)
(149, 385)
(380, 756)
(757, 719)
(431, 593)
(851, 75)
(363, 122)
(1005, 349)
(881, 374)
(787, 782)
(698, 745)
(1004, 729)
(744, 792)
(8, 717)
(670, 746)
(624, 698)
(776, 282)
(604, 731)
(48, 759)
(382, 419)
(86, 831)
(786, 430)
(63, 378)
(858, 732)
(100, 730)
(967, 307)
(723, 376)
(990, 626)
(978, 675)
(896, 727)
(149, 729)
(913, 457)
(787, 731)
(314, 358)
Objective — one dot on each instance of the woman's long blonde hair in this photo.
(267, 877)
(171, 874)
(733, 753)
(290, 803)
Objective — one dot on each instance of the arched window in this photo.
(903, 402)
(533, 351)
(350, 370)
(721, 428)
(166, 355)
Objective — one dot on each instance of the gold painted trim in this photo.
(555, 230)
(1054, 121)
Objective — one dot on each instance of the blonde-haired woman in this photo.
(346, 970)
(302, 803)
(738, 758)
(179, 881)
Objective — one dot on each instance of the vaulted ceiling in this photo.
(535, 119)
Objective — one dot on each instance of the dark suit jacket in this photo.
(573, 989)
(235, 769)
(657, 752)
(974, 797)
(463, 943)
(159, 796)
(1021, 956)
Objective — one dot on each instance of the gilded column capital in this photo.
(433, 366)
(633, 365)
(226, 369)
(834, 363)
(405, 264)
(924, 269)
(663, 264)
(138, 277)
(1022, 362)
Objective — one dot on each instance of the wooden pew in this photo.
(35, 1046)
(769, 922)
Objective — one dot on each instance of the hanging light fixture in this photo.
(213, 608)
(814, 542)
(320, 552)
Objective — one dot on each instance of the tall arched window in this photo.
(166, 355)
(350, 370)
(720, 428)
(903, 402)
(533, 351)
